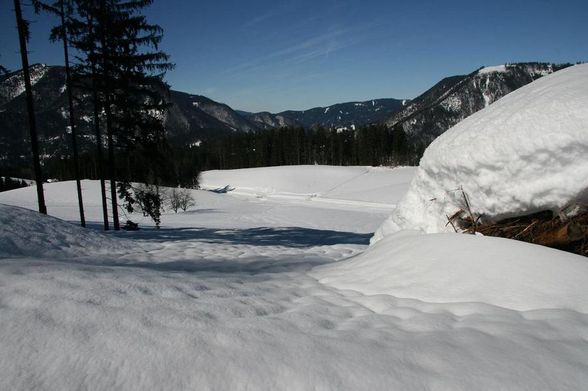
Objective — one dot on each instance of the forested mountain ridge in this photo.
(191, 118)
(455, 98)
(347, 115)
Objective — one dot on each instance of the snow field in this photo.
(447, 268)
(268, 293)
(367, 186)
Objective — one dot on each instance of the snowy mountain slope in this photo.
(267, 120)
(455, 98)
(190, 116)
(341, 115)
(526, 153)
(226, 296)
(12, 84)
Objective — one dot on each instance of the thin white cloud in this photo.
(311, 48)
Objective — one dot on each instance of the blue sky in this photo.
(277, 55)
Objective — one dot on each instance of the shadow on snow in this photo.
(262, 236)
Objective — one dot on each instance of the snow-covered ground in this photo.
(359, 186)
(249, 291)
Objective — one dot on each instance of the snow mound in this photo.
(27, 233)
(525, 153)
(449, 268)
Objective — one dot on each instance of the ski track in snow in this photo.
(223, 297)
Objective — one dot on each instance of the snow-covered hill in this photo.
(526, 153)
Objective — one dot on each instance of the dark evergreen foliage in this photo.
(373, 145)
(7, 183)
(119, 61)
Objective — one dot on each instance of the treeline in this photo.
(371, 145)
(180, 167)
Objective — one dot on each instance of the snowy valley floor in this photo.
(246, 292)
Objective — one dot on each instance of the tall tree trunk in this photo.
(99, 147)
(71, 116)
(30, 106)
(111, 167)
(107, 108)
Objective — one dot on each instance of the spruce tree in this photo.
(131, 69)
(63, 9)
(118, 52)
(81, 25)
(23, 35)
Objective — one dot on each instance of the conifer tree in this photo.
(118, 52)
(132, 69)
(23, 35)
(63, 9)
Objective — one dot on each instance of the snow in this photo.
(268, 288)
(13, 86)
(450, 268)
(492, 69)
(357, 185)
(523, 154)
(25, 233)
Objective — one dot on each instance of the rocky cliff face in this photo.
(455, 98)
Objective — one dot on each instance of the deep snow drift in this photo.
(27, 233)
(525, 153)
(227, 296)
(449, 268)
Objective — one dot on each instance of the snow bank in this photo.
(27, 233)
(356, 183)
(449, 268)
(525, 153)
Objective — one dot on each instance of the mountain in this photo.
(192, 119)
(457, 97)
(342, 115)
(189, 119)
(267, 120)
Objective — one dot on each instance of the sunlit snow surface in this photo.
(525, 153)
(228, 296)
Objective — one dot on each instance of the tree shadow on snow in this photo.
(262, 236)
(243, 266)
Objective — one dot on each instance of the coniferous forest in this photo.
(371, 145)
